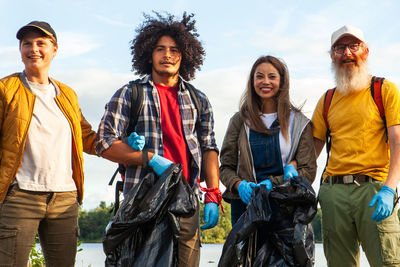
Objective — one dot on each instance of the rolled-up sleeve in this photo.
(115, 120)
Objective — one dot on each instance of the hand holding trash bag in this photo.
(267, 184)
(245, 190)
(289, 172)
(210, 215)
(136, 141)
(144, 230)
(275, 230)
(159, 164)
(385, 203)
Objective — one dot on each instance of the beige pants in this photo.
(53, 215)
(189, 241)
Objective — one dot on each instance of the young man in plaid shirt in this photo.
(165, 53)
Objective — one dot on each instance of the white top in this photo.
(46, 161)
(268, 119)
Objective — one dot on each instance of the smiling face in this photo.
(266, 83)
(37, 52)
(350, 65)
(348, 59)
(166, 59)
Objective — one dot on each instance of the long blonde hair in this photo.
(251, 106)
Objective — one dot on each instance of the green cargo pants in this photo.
(347, 223)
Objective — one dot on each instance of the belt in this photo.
(348, 179)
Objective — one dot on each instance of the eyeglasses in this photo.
(339, 49)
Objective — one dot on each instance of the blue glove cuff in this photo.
(388, 190)
(154, 160)
(289, 167)
(242, 183)
(213, 206)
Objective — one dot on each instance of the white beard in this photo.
(351, 80)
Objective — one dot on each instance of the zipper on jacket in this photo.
(74, 143)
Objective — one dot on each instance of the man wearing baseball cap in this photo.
(42, 137)
(358, 190)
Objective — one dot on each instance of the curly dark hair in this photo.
(184, 34)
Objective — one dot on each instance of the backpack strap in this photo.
(376, 92)
(136, 105)
(327, 104)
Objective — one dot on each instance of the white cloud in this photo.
(93, 82)
(98, 172)
(10, 59)
(95, 194)
(385, 61)
(223, 88)
(296, 43)
(113, 21)
(74, 44)
(94, 88)
(308, 91)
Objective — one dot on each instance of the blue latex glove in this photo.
(159, 164)
(385, 203)
(267, 183)
(210, 215)
(245, 190)
(289, 172)
(136, 141)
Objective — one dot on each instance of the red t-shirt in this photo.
(174, 142)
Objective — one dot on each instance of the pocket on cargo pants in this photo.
(389, 234)
(7, 246)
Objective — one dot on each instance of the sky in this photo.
(94, 56)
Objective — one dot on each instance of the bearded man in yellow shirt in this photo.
(357, 194)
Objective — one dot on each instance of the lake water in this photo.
(92, 255)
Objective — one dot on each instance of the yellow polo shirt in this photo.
(357, 131)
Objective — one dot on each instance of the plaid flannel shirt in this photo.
(115, 121)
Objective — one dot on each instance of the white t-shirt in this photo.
(46, 161)
(268, 119)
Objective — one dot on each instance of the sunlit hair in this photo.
(251, 105)
(349, 80)
(184, 34)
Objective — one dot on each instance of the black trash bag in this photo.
(275, 230)
(144, 231)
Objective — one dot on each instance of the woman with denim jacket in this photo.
(268, 140)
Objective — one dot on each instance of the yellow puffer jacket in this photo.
(16, 109)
